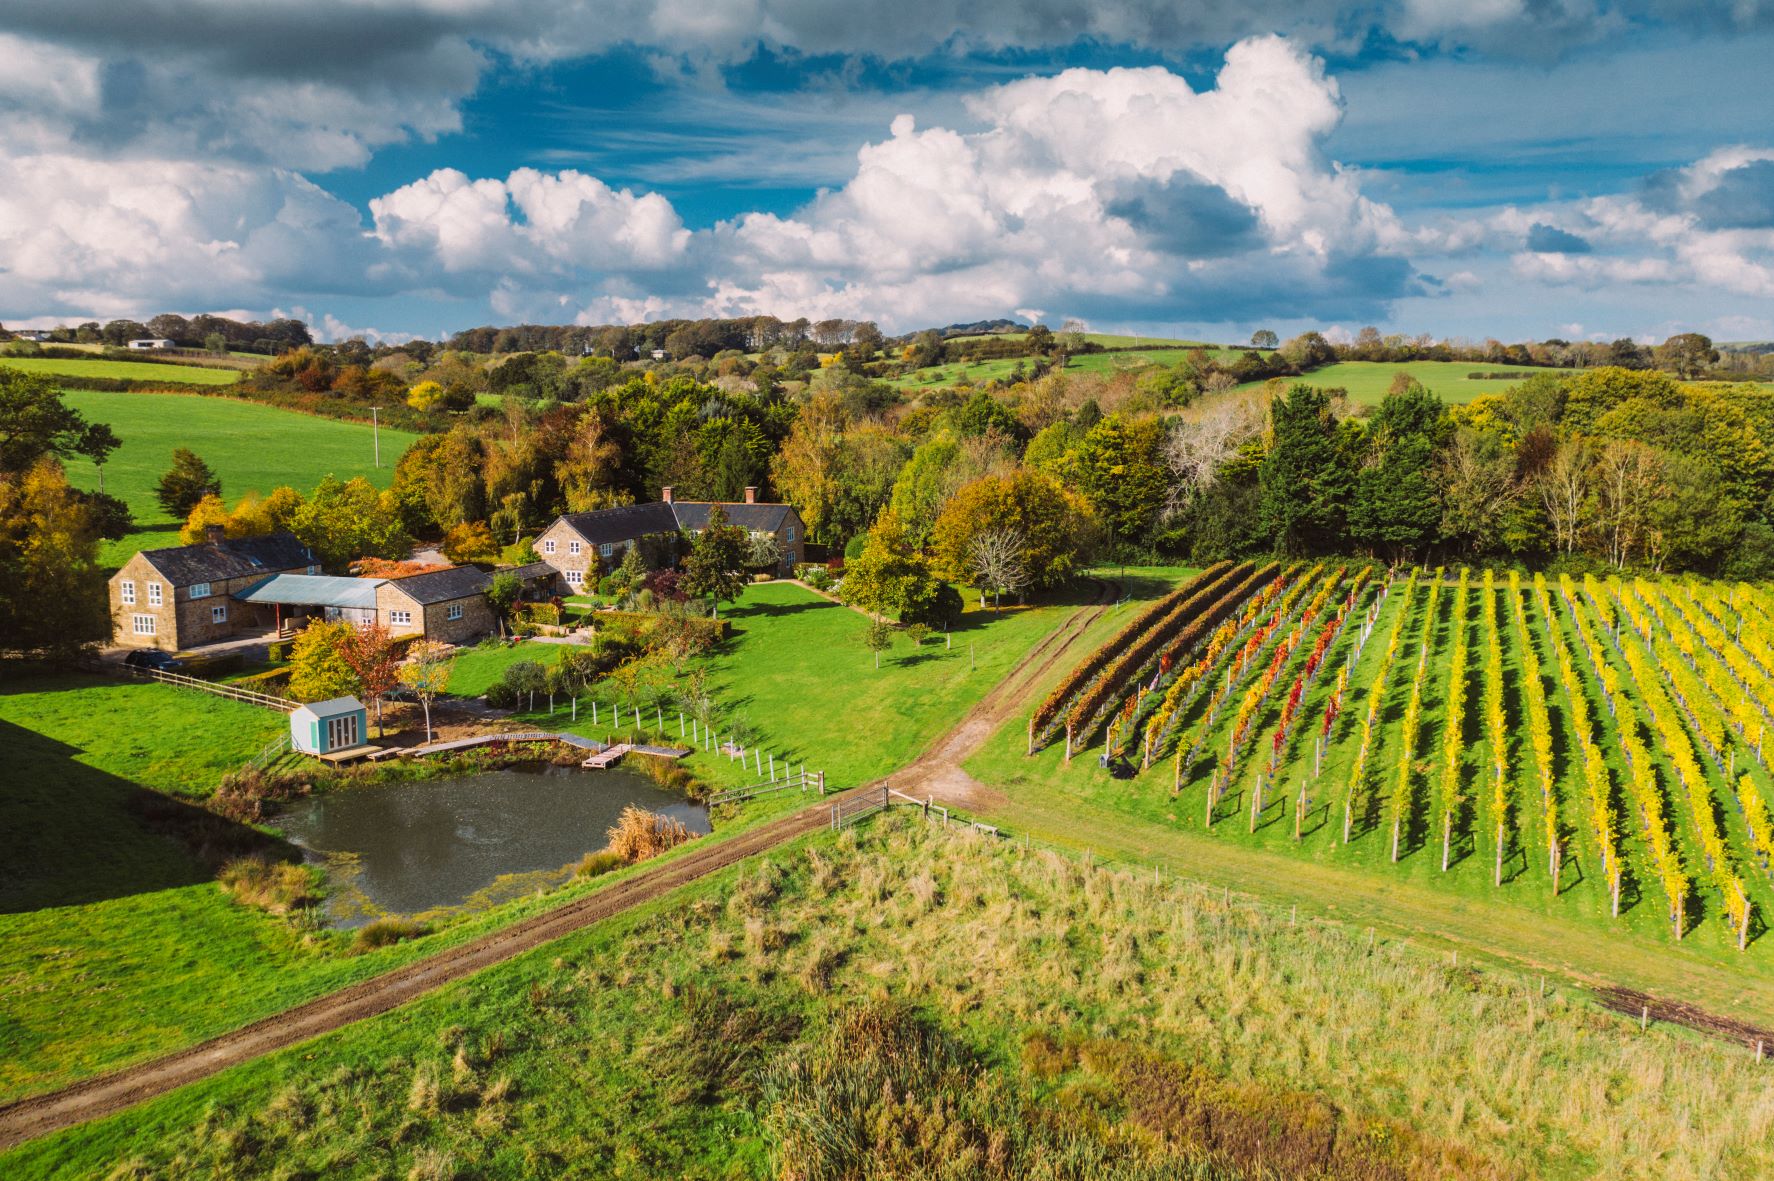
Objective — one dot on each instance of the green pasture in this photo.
(124, 370)
(1368, 381)
(250, 446)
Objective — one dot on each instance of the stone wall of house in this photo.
(179, 621)
(477, 620)
(580, 570)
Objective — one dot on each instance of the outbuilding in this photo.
(329, 728)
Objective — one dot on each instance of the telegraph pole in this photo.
(376, 432)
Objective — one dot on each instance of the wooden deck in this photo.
(607, 757)
(350, 754)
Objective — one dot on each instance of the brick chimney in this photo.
(215, 534)
(751, 494)
(665, 494)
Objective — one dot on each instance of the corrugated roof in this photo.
(609, 525)
(241, 557)
(441, 586)
(761, 518)
(314, 590)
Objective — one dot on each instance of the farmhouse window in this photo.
(573, 547)
(219, 613)
(144, 624)
(200, 590)
(127, 591)
(153, 594)
(400, 618)
(791, 534)
(574, 577)
(455, 611)
(606, 549)
(548, 546)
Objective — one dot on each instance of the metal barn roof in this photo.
(313, 590)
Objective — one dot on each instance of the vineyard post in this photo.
(1557, 864)
(1300, 810)
(594, 711)
(1447, 832)
(1318, 758)
(1499, 874)
(1256, 800)
(1743, 930)
(1213, 788)
(1395, 819)
(1068, 740)
(1348, 813)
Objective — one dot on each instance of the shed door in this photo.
(341, 732)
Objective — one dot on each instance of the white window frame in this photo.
(454, 611)
(574, 577)
(219, 613)
(126, 592)
(608, 549)
(791, 535)
(156, 594)
(573, 547)
(400, 618)
(200, 590)
(548, 546)
(143, 625)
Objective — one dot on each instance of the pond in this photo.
(412, 847)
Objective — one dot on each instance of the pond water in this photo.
(407, 848)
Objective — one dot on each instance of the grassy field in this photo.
(251, 447)
(901, 1001)
(796, 672)
(475, 670)
(1572, 933)
(127, 370)
(1367, 381)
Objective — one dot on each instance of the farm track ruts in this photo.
(104, 1095)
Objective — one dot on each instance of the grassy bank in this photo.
(125, 370)
(1368, 381)
(928, 1002)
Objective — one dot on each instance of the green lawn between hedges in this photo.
(251, 448)
(125, 370)
(1367, 381)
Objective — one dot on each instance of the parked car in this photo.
(153, 658)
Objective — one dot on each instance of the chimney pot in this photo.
(665, 494)
(215, 533)
(751, 494)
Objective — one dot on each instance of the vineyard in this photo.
(1575, 744)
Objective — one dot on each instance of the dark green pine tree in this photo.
(1308, 476)
(1398, 509)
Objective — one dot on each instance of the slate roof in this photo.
(242, 557)
(610, 525)
(759, 518)
(530, 572)
(313, 590)
(442, 586)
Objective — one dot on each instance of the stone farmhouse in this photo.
(223, 589)
(582, 546)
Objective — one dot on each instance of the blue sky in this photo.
(1517, 168)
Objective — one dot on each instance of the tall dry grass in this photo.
(639, 834)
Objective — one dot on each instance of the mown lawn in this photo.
(796, 672)
(251, 448)
(126, 370)
(1037, 1006)
(475, 670)
(1368, 381)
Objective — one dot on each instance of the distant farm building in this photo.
(581, 546)
(148, 343)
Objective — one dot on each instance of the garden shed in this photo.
(329, 727)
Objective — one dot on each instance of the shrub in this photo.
(597, 864)
(274, 681)
(274, 887)
(499, 695)
(639, 834)
(385, 932)
(278, 651)
(817, 577)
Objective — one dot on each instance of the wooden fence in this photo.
(215, 688)
(803, 780)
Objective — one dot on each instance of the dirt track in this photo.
(937, 772)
